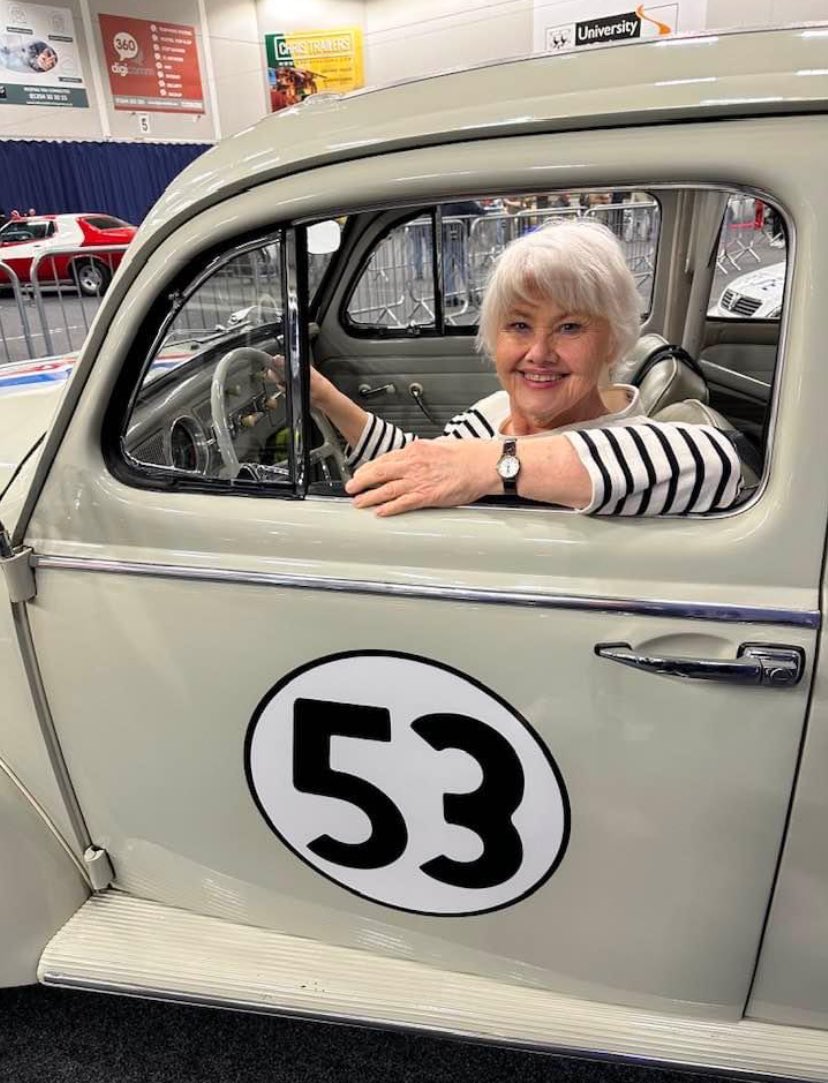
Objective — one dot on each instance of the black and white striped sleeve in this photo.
(380, 436)
(376, 439)
(658, 468)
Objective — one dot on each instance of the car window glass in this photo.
(27, 231)
(212, 405)
(750, 262)
(396, 289)
(104, 221)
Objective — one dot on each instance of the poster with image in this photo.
(39, 57)
(304, 62)
(561, 26)
(152, 65)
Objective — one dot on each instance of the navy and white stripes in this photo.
(637, 466)
(647, 467)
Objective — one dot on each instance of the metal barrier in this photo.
(90, 272)
(44, 319)
(10, 354)
(396, 290)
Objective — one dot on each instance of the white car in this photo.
(502, 771)
(757, 294)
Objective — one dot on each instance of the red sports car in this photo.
(23, 239)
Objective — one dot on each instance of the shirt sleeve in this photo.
(380, 436)
(377, 437)
(658, 468)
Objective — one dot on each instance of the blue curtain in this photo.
(123, 179)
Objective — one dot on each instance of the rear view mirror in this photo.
(323, 237)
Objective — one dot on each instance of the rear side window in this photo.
(103, 221)
(397, 288)
(751, 262)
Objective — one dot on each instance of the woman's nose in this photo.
(541, 348)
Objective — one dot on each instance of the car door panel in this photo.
(448, 385)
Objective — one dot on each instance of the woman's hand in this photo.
(428, 474)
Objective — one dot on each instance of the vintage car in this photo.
(502, 771)
(26, 241)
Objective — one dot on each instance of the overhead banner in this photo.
(561, 26)
(39, 57)
(152, 66)
(304, 62)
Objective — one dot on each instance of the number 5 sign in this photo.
(408, 783)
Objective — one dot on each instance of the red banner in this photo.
(152, 66)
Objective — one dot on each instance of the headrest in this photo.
(663, 373)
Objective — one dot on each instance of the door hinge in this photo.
(99, 867)
(18, 569)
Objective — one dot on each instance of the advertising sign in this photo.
(152, 66)
(563, 25)
(306, 61)
(39, 58)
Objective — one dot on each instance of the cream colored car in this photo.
(502, 771)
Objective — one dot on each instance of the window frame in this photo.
(163, 311)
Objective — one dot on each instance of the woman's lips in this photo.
(542, 380)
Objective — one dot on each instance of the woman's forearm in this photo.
(347, 416)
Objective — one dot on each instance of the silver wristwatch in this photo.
(508, 467)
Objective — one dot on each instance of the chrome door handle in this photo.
(756, 663)
(367, 392)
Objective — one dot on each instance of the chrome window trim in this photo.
(729, 614)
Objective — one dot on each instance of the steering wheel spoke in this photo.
(257, 362)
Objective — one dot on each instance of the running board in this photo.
(117, 943)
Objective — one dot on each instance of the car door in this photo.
(423, 736)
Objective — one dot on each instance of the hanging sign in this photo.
(563, 25)
(152, 66)
(39, 58)
(408, 783)
(304, 62)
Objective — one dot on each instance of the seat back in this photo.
(664, 374)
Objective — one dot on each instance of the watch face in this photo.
(508, 466)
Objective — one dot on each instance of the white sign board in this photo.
(565, 25)
(39, 57)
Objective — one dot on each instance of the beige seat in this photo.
(673, 388)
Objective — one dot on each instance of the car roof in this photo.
(694, 77)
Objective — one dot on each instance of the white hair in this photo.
(578, 264)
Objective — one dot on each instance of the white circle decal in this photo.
(408, 783)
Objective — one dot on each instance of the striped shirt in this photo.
(637, 466)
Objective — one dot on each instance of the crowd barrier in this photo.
(397, 288)
(53, 303)
(49, 312)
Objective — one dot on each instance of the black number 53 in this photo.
(487, 811)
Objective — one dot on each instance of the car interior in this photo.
(389, 301)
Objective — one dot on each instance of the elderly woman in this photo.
(560, 308)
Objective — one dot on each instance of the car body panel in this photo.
(41, 893)
(29, 394)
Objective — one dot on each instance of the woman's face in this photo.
(549, 362)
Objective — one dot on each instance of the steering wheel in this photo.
(329, 451)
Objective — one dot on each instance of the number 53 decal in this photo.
(408, 783)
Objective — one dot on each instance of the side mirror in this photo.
(324, 237)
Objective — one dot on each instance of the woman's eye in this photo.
(518, 325)
(570, 328)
